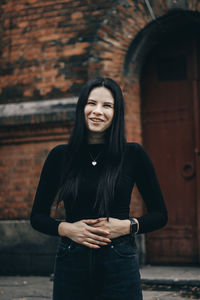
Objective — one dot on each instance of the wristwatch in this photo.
(133, 227)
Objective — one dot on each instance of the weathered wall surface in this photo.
(48, 49)
(45, 47)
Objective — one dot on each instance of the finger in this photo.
(97, 224)
(98, 230)
(90, 221)
(99, 238)
(90, 245)
(96, 242)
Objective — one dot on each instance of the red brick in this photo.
(77, 15)
(39, 41)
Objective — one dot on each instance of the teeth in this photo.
(96, 120)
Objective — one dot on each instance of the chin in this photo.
(95, 129)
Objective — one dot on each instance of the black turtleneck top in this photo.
(137, 168)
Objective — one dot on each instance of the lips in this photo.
(96, 120)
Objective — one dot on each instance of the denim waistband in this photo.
(122, 238)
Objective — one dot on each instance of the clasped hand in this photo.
(94, 233)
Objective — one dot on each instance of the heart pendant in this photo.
(94, 163)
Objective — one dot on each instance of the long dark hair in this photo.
(114, 149)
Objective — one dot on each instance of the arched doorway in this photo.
(170, 119)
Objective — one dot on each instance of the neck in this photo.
(94, 138)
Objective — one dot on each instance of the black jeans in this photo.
(110, 272)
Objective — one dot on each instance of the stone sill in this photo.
(37, 112)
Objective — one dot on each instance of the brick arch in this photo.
(153, 34)
(125, 37)
(118, 33)
(148, 39)
(145, 41)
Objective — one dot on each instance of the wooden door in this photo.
(170, 118)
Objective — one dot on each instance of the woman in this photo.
(94, 176)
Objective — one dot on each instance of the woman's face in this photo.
(99, 110)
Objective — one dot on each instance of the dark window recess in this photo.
(172, 68)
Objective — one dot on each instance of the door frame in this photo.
(196, 112)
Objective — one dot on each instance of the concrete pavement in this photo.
(174, 275)
(40, 288)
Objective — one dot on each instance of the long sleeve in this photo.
(149, 188)
(46, 191)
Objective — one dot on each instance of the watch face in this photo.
(134, 227)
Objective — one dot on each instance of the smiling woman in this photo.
(99, 111)
(94, 176)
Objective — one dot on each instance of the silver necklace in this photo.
(94, 160)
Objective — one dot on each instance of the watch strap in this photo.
(134, 226)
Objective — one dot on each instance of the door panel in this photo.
(168, 133)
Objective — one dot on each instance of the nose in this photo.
(97, 110)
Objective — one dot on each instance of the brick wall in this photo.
(20, 170)
(48, 49)
(45, 47)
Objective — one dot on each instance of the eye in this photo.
(108, 105)
(91, 102)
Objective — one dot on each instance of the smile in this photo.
(96, 120)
